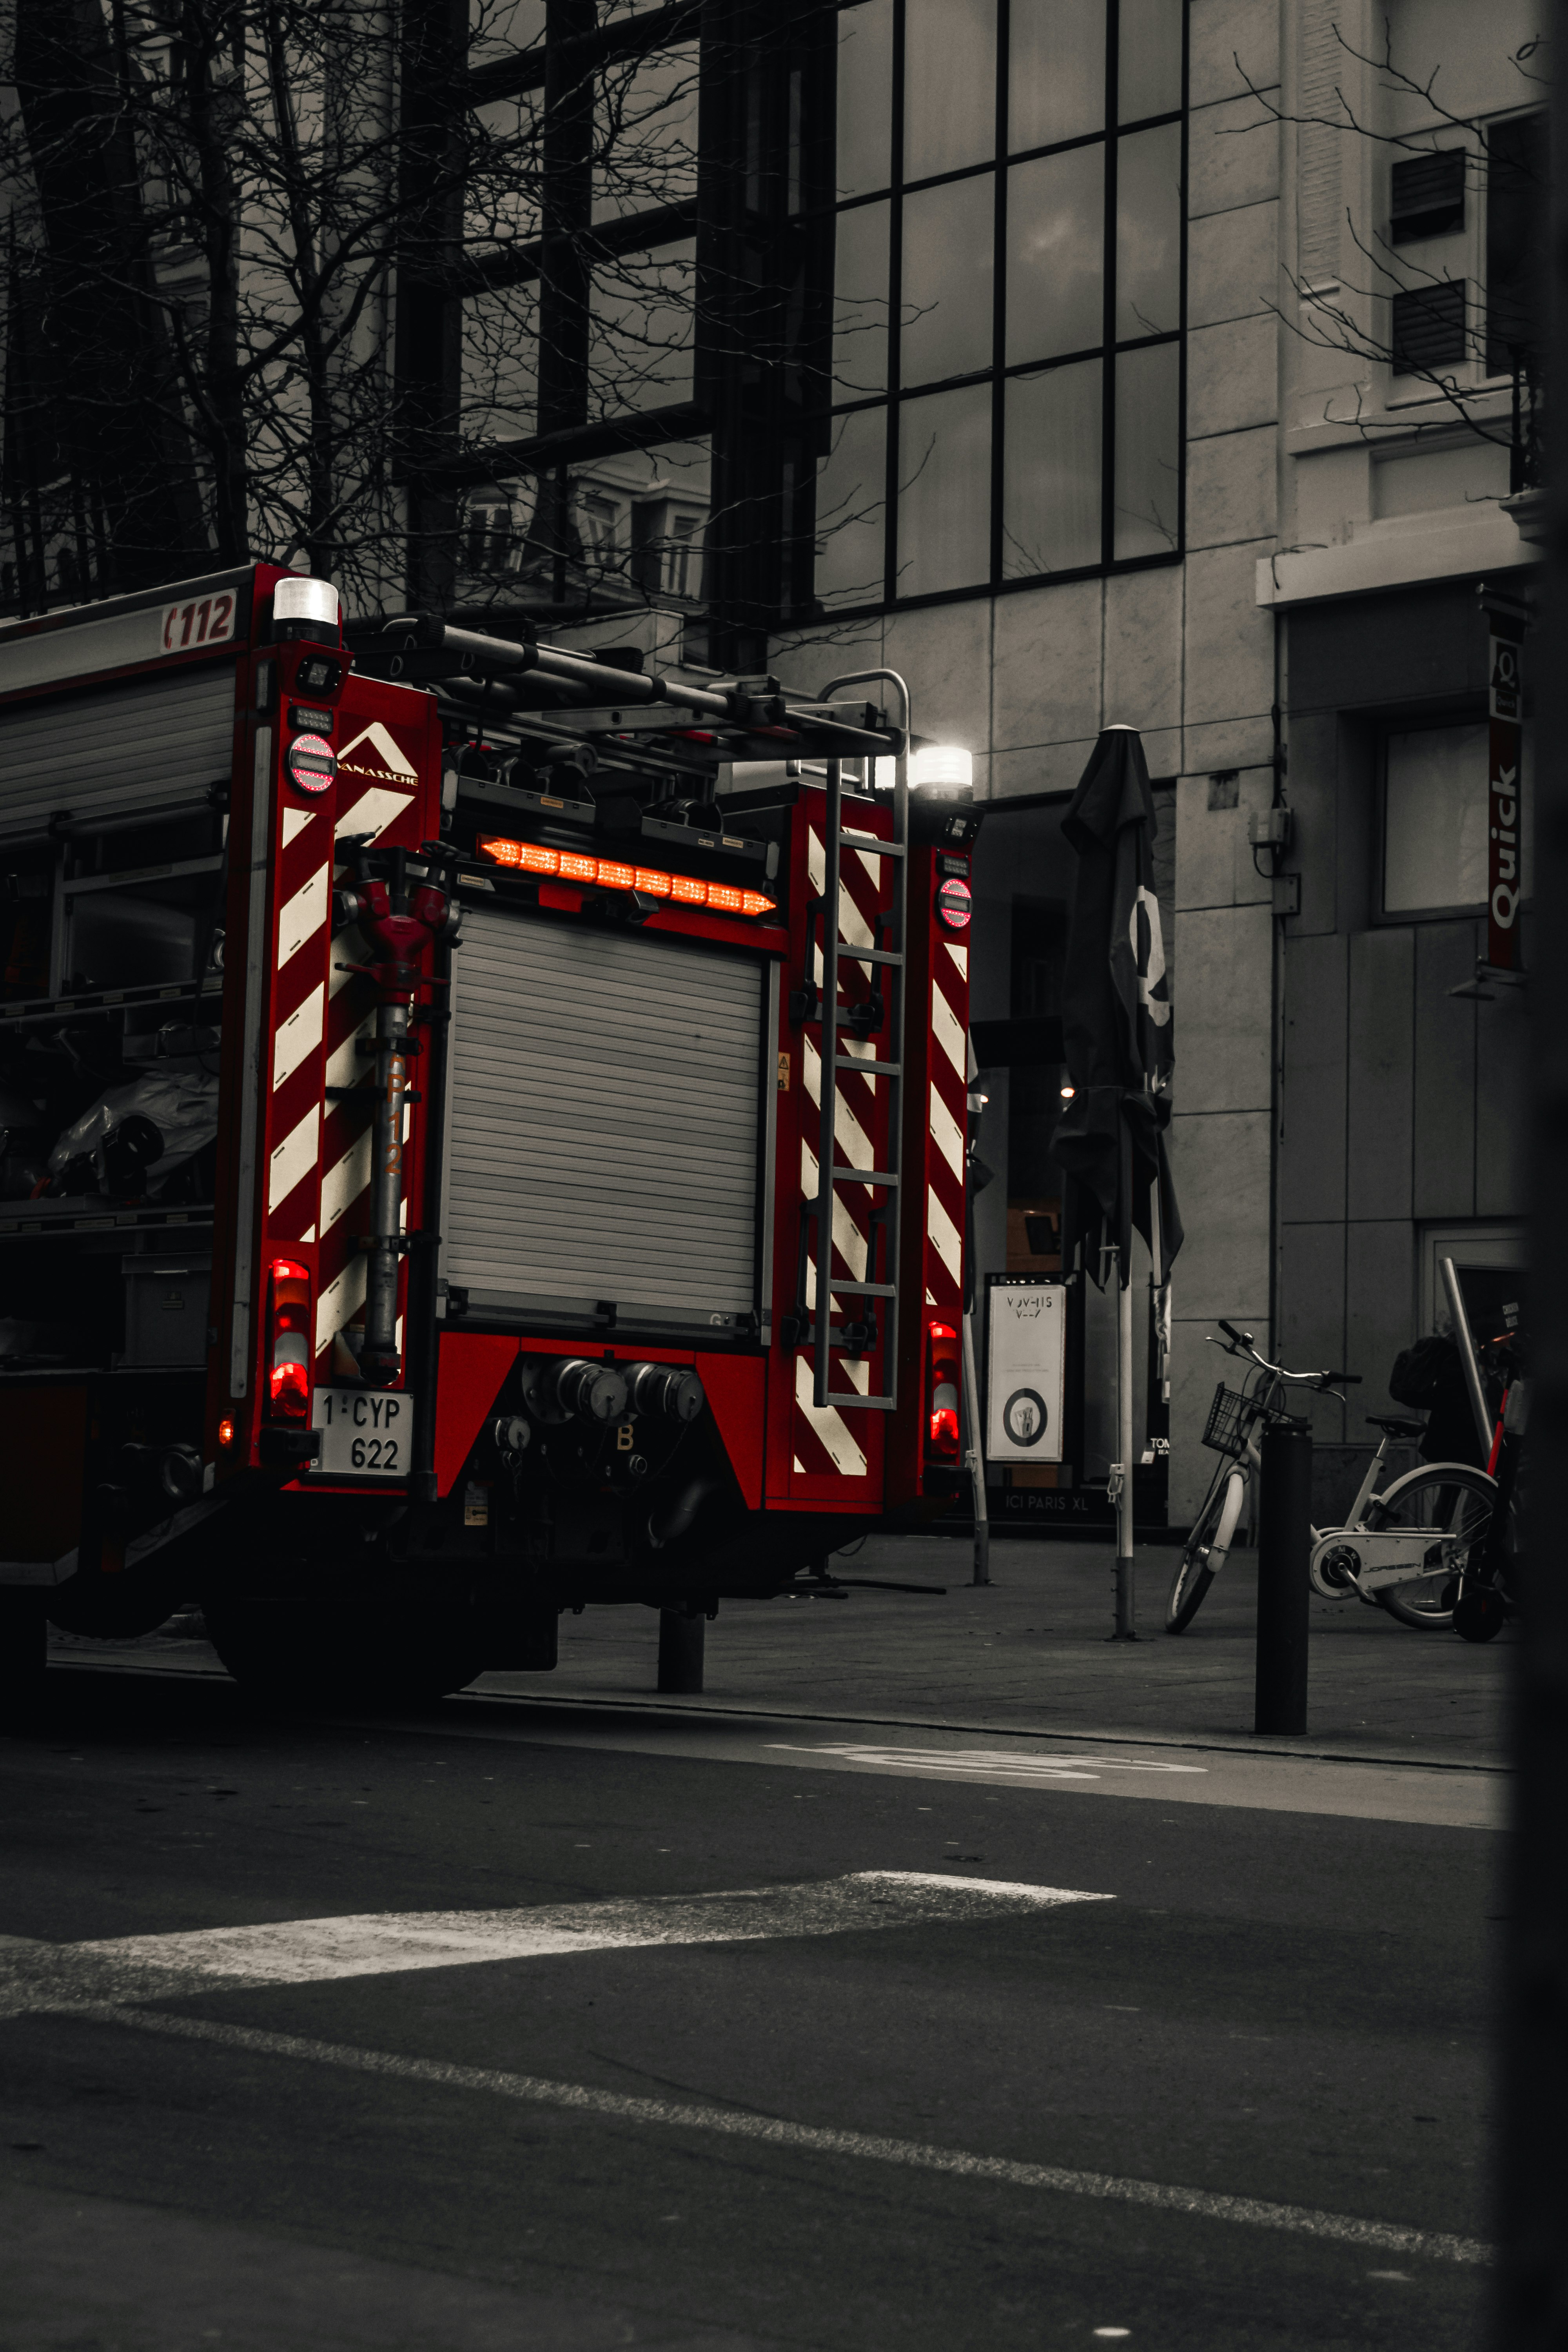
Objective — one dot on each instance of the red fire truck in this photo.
(434, 1072)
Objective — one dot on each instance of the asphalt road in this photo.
(429, 2035)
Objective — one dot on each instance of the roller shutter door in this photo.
(155, 742)
(604, 1116)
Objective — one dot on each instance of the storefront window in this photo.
(1436, 819)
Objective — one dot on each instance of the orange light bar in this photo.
(609, 874)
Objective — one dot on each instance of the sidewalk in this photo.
(1028, 1652)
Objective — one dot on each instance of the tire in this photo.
(1205, 1553)
(291, 1656)
(1448, 1498)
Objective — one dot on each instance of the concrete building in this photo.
(1307, 635)
(1165, 363)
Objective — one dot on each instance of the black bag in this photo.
(1421, 1373)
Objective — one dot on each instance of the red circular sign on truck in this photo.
(954, 906)
(311, 763)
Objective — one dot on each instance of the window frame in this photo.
(896, 398)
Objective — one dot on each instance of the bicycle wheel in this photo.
(1451, 1501)
(1206, 1551)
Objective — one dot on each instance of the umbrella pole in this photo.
(1126, 1607)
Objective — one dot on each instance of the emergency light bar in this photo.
(610, 874)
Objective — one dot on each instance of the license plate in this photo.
(366, 1433)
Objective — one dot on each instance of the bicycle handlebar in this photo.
(1240, 1344)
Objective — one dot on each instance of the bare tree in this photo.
(219, 209)
(1456, 335)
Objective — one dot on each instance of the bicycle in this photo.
(1236, 1418)
(1407, 1550)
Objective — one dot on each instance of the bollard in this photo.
(1284, 1545)
(680, 1650)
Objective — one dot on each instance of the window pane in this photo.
(500, 390)
(1050, 479)
(1056, 236)
(865, 97)
(645, 133)
(851, 508)
(1056, 70)
(1434, 852)
(1149, 58)
(944, 491)
(860, 301)
(949, 85)
(1149, 233)
(497, 26)
(501, 202)
(639, 353)
(1517, 182)
(946, 312)
(1148, 452)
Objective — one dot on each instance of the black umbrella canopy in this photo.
(1116, 1018)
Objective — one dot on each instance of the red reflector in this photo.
(954, 906)
(942, 1382)
(289, 1347)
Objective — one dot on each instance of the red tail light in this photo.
(944, 1377)
(288, 1341)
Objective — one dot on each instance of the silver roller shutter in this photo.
(155, 741)
(604, 1116)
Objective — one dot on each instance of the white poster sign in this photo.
(1026, 1371)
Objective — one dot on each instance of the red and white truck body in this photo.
(493, 991)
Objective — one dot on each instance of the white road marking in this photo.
(732, 2123)
(388, 1943)
(984, 1763)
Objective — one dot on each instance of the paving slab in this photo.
(1029, 1653)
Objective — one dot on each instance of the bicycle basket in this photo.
(1230, 1421)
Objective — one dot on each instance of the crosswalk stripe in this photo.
(387, 1943)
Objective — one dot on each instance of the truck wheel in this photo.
(23, 1633)
(296, 1653)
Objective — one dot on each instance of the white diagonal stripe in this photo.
(854, 1142)
(342, 1300)
(294, 1158)
(947, 1031)
(943, 1236)
(372, 813)
(852, 923)
(345, 1063)
(847, 1238)
(300, 1035)
(841, 1449)
(348, 949)
(303, 916)
(345, 1180)
(946, 1134)
(295, 819)
(961, 958)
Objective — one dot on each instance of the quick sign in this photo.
(1026, 1369)
(1506, 714)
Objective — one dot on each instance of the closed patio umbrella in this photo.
(1111, 1140)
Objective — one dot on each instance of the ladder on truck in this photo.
(835, 1063)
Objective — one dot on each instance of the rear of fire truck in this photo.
(485, 1132)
